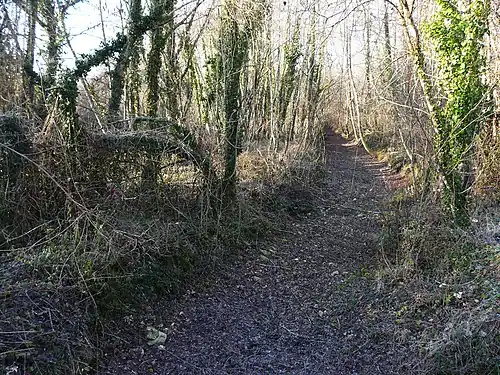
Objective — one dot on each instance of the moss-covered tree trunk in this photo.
(52, 48)
(288, 81)
(116, 89)
(314, 68)
(162, 35)
(130, 54)
(133, 51)
(233, 49)
(29, 57)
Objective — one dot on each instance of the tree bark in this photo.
(29, 57)
(162, 36)
(53, 45)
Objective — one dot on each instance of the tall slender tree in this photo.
(162, 40)
(29, 56)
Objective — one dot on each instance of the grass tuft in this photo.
(449, 285)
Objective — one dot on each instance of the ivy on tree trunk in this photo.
(456, 33)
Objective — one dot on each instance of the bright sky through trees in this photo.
(91, 22)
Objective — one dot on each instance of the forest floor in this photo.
(304, 302)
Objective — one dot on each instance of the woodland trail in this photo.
(302, 303)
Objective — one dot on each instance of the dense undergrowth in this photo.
(446, 279)
(80, 249)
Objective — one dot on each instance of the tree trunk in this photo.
(136, 31)
(134, 49)
(117, 83)
(29, 58)
(233, 51)
(162, 12)
(51, 28)
(161, 36)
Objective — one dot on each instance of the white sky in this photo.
(84, 25)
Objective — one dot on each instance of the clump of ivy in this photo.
(87, 61)
(457, 37)
(67, 92)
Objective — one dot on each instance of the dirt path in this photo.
(304, 303)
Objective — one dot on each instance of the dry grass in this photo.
(488, 162)
(450, 279)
